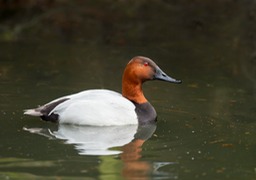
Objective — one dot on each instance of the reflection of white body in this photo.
(92, 140)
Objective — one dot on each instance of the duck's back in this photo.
(91, 107)
(97, 107)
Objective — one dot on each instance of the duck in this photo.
(103, 107)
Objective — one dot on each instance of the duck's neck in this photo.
(132, 90)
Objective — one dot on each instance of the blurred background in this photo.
(219, 34)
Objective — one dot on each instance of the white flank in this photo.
(93, 107)
(97, 108)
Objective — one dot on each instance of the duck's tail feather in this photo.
(33, 112)
(45, 111)
(40, 113)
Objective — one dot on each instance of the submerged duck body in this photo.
(101, 107)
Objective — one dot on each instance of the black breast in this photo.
(145, 112)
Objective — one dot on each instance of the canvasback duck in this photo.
(100, 107)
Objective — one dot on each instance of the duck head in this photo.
(137, 71)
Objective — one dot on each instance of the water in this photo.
(206, 125)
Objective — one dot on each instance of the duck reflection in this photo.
(125, 141)
(107, 140)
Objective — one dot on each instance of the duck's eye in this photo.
(146, 64)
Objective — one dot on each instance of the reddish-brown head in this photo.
(137, 71)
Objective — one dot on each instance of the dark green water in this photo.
(206, 125)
